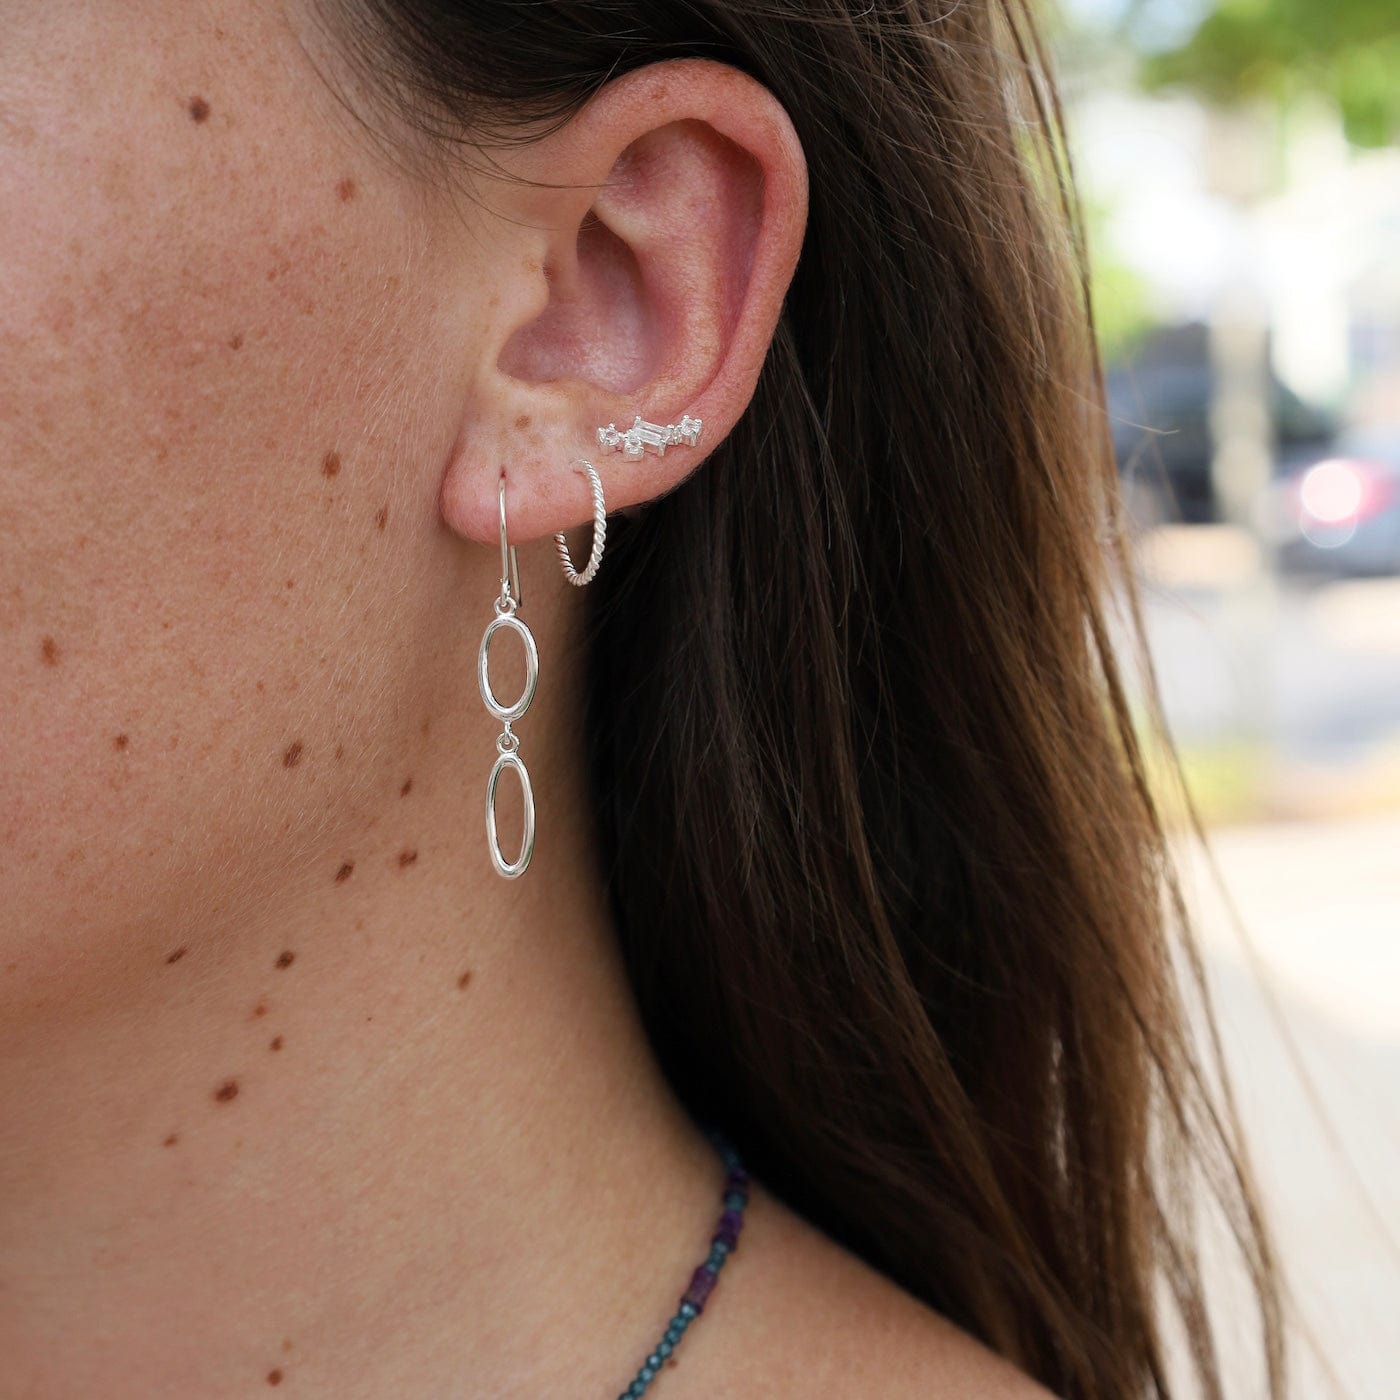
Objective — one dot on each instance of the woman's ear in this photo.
(640, 256)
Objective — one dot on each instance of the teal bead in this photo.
(687, 1312)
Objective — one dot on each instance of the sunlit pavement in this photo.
(1321, 906)
(1308, 672)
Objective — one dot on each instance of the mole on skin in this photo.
(120, 742)
(292, 756)
(407, 858)
(286, 959)
(172, 1140)
(404, 790)
(177, 955)
(276, 1043)
(274, 1377)
(235, 342)
(330, 463)
(48, 648)
(463, 980)
(226, 1091)
(344, 873)
(346, 190)
(381, 516)
(198, 110)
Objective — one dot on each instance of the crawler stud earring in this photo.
(634, 441)
(507, 743)
(578, 577)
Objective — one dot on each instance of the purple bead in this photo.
(731, 1219)
(701, 1282)
(724, 1235)
(737, 1179)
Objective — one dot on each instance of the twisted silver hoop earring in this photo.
(600, 532)
(508, 743)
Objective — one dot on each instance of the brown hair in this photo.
(884, 861)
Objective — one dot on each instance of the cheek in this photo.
(214, 479)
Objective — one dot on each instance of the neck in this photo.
(398, 1134)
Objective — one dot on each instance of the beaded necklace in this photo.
(702, 1282)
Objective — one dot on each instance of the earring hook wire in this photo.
(510, 565)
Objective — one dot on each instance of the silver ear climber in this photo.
(634, 441)
(600, 532)
(507, 743)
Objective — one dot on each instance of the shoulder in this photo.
(796, 1315)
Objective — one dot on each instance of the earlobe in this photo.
(670, 214)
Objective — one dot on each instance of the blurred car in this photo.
(1340, 513)
(1159, 405)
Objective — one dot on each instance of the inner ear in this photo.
(647, 297)
(602, 327)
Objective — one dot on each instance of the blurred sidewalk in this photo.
(1282, 695)
(1283, 698)
(1321, 906)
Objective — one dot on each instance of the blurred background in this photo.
(1240, 164)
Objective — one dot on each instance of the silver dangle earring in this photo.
(508, 743)
(600, 531)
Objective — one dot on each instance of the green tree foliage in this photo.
(1348, 50)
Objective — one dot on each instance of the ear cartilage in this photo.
(633, 442)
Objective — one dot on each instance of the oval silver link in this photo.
(507, 713)
(510, 869)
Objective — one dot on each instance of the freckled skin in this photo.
(345, 190)
(166, 407)
(157, 394)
